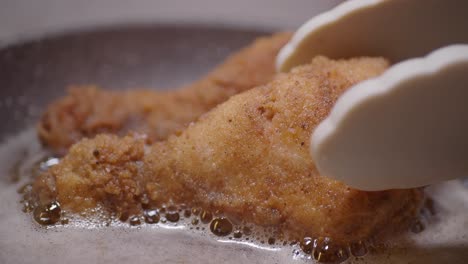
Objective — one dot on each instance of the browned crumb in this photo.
(248, 157)
(88, 111)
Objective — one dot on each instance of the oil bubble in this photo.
(172, 216)
(135, 220)
(48, 214)
(237, 234)
(221, 226)
(325, 251)
(206, 216)
(307, 245)
(196, 211)
(247, 231)
(271, 241)
(151, 216)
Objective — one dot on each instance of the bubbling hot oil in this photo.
(320, 249)
(199, 221)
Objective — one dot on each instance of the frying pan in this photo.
(46, 45)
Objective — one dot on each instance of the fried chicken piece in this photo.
(87, 110)
(248, 157)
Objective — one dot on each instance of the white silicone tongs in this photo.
(408, 127)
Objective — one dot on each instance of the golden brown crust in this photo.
(88, 111)
(248, 157)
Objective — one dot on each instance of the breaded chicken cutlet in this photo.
(248, 158)
(88, 111)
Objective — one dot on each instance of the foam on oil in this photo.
(179, 235)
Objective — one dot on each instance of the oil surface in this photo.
(158, 235)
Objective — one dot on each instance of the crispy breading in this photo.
(88, 110)
(249, 158)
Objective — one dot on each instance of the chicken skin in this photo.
(248, 158)
(87, 110)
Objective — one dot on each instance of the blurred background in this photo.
(47, 45)
(25, 18)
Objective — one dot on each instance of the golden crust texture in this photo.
(88, 111)
(248, 158)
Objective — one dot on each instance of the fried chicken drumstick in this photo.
(87, 110)
(248, 157)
